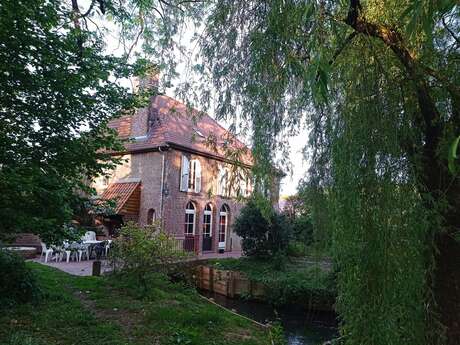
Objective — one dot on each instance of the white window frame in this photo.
(207, 213)
(224, 211)
(190, 175)
(222, 187)
(187, 223)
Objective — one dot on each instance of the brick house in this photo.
(175, 171)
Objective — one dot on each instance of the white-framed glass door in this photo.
(223, 225)
(207, 228)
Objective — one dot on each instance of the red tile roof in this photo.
(175, 125)
(126, 195)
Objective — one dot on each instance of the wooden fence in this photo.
(227, 283)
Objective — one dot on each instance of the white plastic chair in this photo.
(46, 252)
(89, 236)
(83, 249)
(107, 247)
(68, 251)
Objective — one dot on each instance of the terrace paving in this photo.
(85, 267)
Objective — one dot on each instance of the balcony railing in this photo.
(189, 244)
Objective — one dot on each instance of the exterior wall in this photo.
(148, 168)
(144, 166)
(121, 172)
(176, 200)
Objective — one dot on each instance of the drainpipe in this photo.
(162, 184)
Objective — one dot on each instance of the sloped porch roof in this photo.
(127, 196)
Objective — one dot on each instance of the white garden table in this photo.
(90, 244)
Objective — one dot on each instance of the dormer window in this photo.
(190, 175)
(197, 131)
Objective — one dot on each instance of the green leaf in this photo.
(453, 155)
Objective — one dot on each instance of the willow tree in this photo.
(378, 84)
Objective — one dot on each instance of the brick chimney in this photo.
(149, 81)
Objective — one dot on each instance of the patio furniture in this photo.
(108, 244)
(46, 252)
(71, 248)
(89, 245)
(57, 250)
(83, 249)
(89, 236)
(67, 251)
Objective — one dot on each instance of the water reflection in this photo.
(301, 327)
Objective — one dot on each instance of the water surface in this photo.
(301, 327)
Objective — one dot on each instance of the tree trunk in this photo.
(446, 285)
(439, 183)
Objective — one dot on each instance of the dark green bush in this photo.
(296, 249)
(264, 232)
(18, 284)
(302, 228)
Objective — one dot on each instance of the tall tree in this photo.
(57, 92)
(378, 83)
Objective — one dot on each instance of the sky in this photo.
(298, 166)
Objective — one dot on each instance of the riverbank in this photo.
(300, 327)
(310, 284)
(111, 311)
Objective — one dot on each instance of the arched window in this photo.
(223, 225)
(151, 216)
(189, 228)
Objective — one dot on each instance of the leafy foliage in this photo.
(293, 283)
(57, 92)
(262, 235)
(18, 283)
(143, 251)
(377, 83)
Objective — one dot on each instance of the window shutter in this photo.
(197, 176)
(184, 174)
(219, 181)
(243, 186)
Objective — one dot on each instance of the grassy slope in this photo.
(92, 310)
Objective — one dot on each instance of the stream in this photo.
(301, 327)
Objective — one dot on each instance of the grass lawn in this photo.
(97, 310)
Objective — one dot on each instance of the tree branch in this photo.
(431, 117)
(342, 47)
(450, 31)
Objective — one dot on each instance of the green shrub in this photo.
(17, 282)
(144, 252)
(263, 231)
(288, 283)
(302, 228)
(297, 249)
